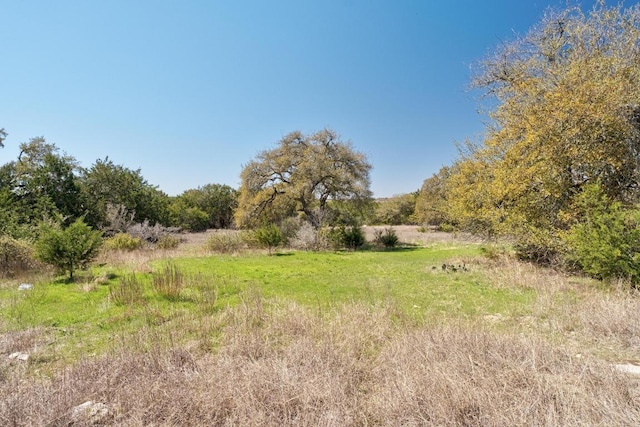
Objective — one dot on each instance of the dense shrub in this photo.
(396, 210)
(16, 256)
(347, 237)
(605, 243)
(123, 242)
(189, 218)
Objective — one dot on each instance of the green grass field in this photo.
(85, 316)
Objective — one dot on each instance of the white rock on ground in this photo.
(90, 412)
(19, 355)
(628, 368)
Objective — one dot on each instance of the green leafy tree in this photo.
(431, 205)
(311, 175)
(396, 210)
(565, 114)
(189, 218)
(109, 187)
(218, 202)
(3, 136)
(67, 248)
(42, 183)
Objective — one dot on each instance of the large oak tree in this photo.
(313, 175)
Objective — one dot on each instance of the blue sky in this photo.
(189, 91)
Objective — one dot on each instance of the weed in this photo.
(169, 281)
(128, 291)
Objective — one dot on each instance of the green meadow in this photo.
(421, 284)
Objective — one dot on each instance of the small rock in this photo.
(19, 355)
(90, 412)
(25, 287)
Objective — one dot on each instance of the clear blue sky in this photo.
(189, 91)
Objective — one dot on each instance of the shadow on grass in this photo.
(283, 254)
(405, 247)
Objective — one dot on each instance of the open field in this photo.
(444, 331)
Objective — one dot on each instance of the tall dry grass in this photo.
(281, 364)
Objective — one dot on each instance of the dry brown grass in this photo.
(285, 365)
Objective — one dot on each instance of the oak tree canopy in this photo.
(310, 175)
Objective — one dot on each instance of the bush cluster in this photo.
(349, 237)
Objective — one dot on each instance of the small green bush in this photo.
(387, 237)
(16, 257)
(123, 242)
(191, 219)
(269, 236)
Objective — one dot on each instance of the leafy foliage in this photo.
(210, 206)
(269, 236)
(67, 248)
(40, 184)
(109, 186)
(350, 237)
(431, 206)
(188, 218)
(396, 210)
(387, 237)
(605, 243)
(305, 174)
(566, 114)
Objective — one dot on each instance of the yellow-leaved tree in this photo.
(566, 113)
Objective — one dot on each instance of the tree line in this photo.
(45, 184)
